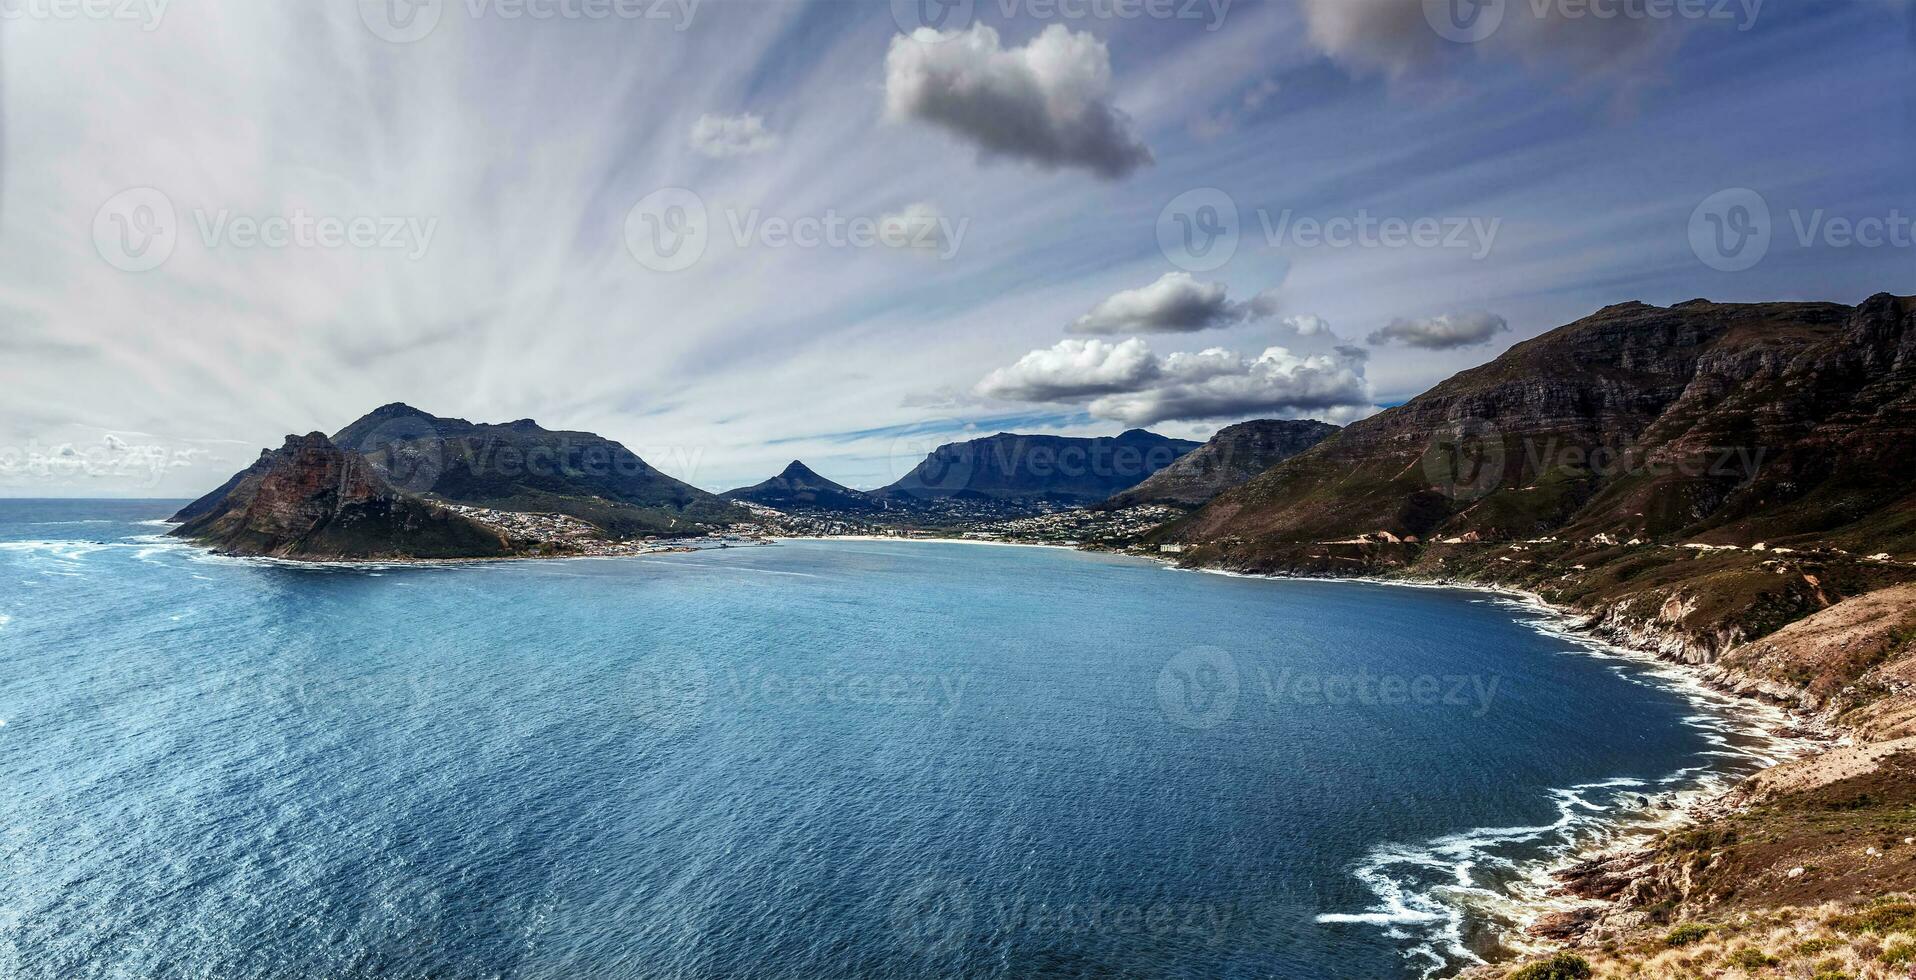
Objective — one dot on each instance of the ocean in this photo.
(807, 760)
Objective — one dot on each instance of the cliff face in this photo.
(1232, 458)
(1725, 423)
(1058, 468)
(310, 499)
(798, 488)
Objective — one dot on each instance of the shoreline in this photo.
(1795, 738)
(1534, 893)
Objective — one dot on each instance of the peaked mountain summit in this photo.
(798, 488)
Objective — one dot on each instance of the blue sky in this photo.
(225, 222)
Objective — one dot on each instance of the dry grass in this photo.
(1876, 941)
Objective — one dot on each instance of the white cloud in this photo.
(1447, 332)
(1309, 325)
(1127, 383)
(1176, 303)
(732, 136)
(1047, 103)
(1396, 36)
(1073, 369)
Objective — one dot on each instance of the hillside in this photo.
(1232, 458)
(1786, 423)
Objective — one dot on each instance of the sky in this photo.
(733, 233)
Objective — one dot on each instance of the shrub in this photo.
(1811, 947)
(1752, 959)
(1563, 966)
(1888, 917)
(1899, 954)
(1831, 969)
(1686, 934)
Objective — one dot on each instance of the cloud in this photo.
(732, 136)
(1072, 370)
(1047, 103)
(1127, 383)
(1309, 325)
(1452, 330)
(919, 226)
(1396, 37)
(1176, 303)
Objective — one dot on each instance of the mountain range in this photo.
(402, 483)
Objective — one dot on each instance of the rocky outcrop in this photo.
(1232, 458)
(309, 499)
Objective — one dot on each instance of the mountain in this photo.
(1230, 459)
(1689, 478)
(520, 466)
(1719, 423)
(1059, 469)
(310, 499)
(798, 488)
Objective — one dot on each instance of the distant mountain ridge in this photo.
(1064, 469)
(1230, 459)
(798, 488)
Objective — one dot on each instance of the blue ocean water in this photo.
(818, 759)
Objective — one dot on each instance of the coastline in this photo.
(1794, 737)
(1536, 892)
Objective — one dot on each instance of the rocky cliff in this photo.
(309, 499)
